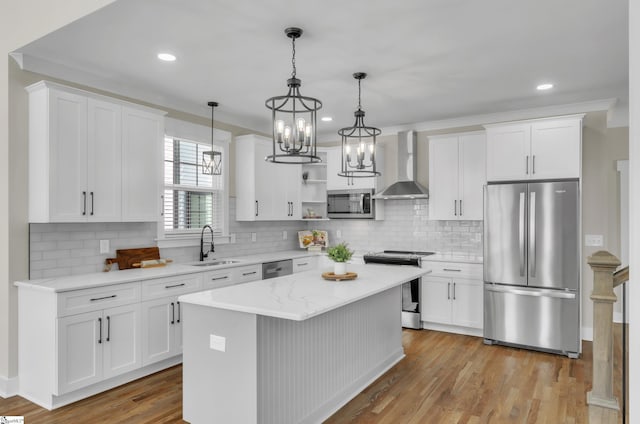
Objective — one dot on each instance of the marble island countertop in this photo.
(96, 279)
(304, 295)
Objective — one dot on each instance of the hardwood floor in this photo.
(445, 378)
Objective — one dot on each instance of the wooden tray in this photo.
(127, 257)
(339, 277)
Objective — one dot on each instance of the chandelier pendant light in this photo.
(359, 144)
(211, 159)
(293, 119)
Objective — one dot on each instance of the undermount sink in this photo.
(216, 262)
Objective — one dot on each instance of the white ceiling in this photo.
(427, 60)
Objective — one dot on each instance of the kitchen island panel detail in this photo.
(298, 371)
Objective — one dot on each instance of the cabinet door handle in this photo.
(249, 273)
(103, 298)
(84, 203)
(179, 307)
(460, 207)
(220, 278)
(526, 164)
(256, 208)
(455, 208)
(100, 330)
(91, 203)
(451, 269)
(162, 205)
(173, 313)
(174, 285)
(302, 264)
(454, 291)
(448, 291)
(533, 166)
(108, 327)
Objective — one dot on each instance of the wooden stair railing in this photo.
(605, 279)
(620, 277)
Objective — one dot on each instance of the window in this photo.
(191, 198)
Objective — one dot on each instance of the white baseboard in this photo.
(587, 334)
(467, 331)
(8, 386)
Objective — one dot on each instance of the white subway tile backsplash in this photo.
(64, 249)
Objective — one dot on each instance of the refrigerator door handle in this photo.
(532, 233)
(521, 234)
(531, 292)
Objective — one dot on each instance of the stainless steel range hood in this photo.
(406, 186)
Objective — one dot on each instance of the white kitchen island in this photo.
(292, 349)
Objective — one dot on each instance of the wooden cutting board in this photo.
(125, 258)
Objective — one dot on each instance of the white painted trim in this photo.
(514, 115)
(53, 401)
(587, 333)
(8, 386)
(467, 331)
(132, 91)
(38, 86)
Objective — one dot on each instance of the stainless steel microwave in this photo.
(350, 204)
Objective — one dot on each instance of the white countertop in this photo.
(454, 257)
(304, 295)
(97, 279)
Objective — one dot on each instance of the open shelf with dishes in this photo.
(313, 192)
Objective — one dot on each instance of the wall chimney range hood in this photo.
(406, 186)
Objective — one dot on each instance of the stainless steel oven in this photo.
(410, 290)
(350, 204)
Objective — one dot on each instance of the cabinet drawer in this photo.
(216, 279)
(305, 264)
(171, 286)
(247, 273)
(87, 300)
(453, 269)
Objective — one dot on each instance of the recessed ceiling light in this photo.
(326, 119)
(543, 87)
(167, 57)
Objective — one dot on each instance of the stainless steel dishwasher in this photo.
(277, 269)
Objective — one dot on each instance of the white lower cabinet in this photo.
(71, 343)
(162, 338)
(305, 264)
(452, 295)
(97, 345)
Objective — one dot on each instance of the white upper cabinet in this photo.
(104, 160)
(142, 144)
(456, 176)
(536, 149)
(81, 146)
(335, 182)
(265, 191)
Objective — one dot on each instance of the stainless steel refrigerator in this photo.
(531, 265)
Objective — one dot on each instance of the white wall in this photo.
(634, 209)
(20, 23)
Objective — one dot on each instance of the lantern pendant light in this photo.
(359, 144)
(211, 159)
(293, 119)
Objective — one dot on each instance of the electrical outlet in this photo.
(338, 234)
(104, 246)
(218, 343)
(254, 237)
(593, 240)
(284, 235)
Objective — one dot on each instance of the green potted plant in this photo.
(339, 254)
